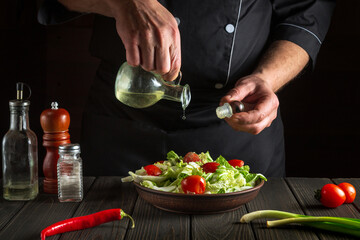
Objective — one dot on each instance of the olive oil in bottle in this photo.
(139, 100)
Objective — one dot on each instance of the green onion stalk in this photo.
(350, 226)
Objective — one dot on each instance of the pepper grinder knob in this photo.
(54, 105)
(55, 123)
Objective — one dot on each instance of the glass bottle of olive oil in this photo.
(138, 88)
(19, 153)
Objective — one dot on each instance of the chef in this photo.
(230, 50)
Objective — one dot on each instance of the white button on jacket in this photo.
(230, 28)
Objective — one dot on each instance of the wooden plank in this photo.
(38, 214)
(356, 183)
(276, 195)
(106, 193)
(8, 209)
(304, 188)
(221, 226)
(153, 223)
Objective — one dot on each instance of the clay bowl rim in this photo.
(199, 196)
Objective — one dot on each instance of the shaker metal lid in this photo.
(19, 103)
(70, 147)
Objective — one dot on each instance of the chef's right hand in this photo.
(150, 35)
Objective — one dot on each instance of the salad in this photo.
(195, 174)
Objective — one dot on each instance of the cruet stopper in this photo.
(228, 109)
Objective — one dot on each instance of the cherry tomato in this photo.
(332, 196)
(349, 191)
(194, 184)
(236, 163)
(152, 170)
(161, 161)
(191, 157)
(210, 167)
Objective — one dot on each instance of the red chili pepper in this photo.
(83, 222)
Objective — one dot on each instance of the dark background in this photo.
(319, 109)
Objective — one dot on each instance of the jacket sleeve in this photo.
(303, 22)
(52, 12)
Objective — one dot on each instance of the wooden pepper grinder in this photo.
(55, 124)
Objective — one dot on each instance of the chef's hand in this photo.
(260, 102)
(150, 35)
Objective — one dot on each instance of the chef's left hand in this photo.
(261, 105)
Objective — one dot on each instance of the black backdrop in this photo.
(319, 109)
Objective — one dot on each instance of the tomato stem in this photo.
(317, 194)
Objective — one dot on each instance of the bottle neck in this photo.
(178, 93)
(19, 118)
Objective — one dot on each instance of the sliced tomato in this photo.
(236, 163)
(349, 191)
(191, 157)
(193, 184)
(210, 167)
(152, 170)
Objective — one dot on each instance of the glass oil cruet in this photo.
(19, 152)
(138, 88)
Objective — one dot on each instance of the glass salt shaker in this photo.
(19, 152)
(69, 171)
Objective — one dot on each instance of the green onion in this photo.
(349, 226)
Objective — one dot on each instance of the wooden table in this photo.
(25, 220)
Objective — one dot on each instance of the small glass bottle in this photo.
(227, 110)
(138, 88)
(69, 172)
(19, 153)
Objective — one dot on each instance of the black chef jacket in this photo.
(221, 41)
